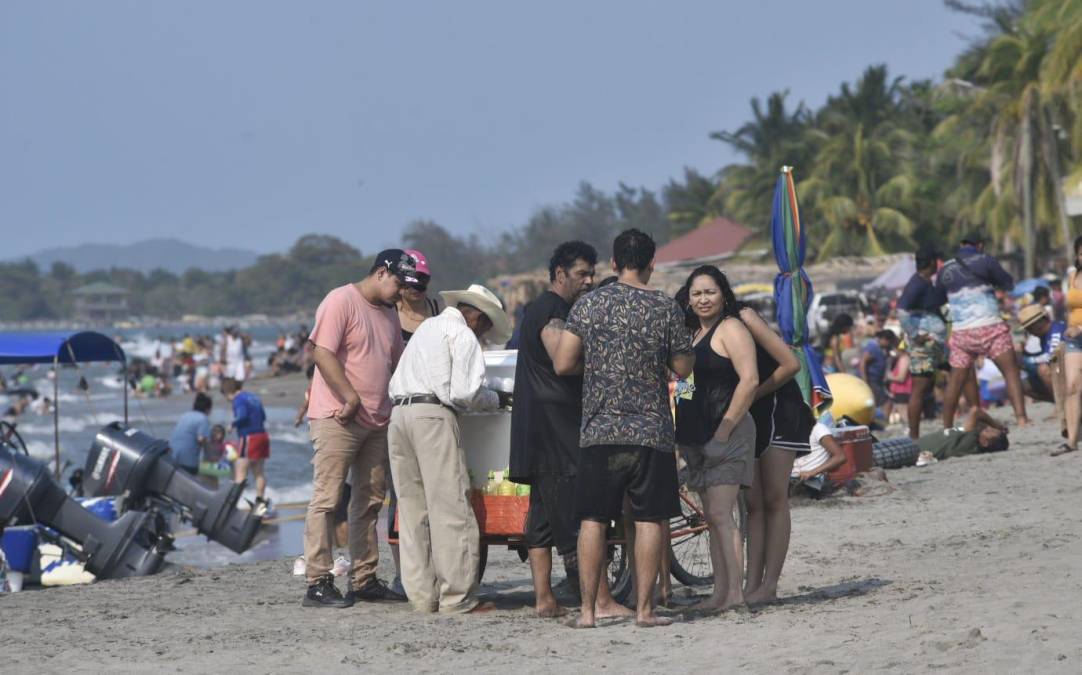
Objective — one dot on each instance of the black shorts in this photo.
(645, 475)
(879, 392)
(551, 520)
(782, 420)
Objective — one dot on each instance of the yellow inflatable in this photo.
(852, 398)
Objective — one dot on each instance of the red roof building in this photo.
(717, 238)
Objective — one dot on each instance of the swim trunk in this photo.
(551, 519)
(926, 356)
(254, 447)
(645, 475)
(717, 463)
(969, 343)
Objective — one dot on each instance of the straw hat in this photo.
(1030, 314)
(485, 300)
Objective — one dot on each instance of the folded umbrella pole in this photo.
(793, 291)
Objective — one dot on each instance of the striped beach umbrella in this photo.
(793, 291)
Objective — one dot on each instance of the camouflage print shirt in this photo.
(628, 336)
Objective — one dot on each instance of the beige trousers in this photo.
(339, 448)
(439, 541)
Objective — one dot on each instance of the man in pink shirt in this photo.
(356, 341)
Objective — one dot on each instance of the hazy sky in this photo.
(251, 123)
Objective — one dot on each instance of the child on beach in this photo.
(248, 419)
(825, 456)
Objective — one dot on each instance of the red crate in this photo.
(496, 515)
(856, 443)
(504, 515)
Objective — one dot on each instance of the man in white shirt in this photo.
(442, 371)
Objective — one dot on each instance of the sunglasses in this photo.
(420, 288)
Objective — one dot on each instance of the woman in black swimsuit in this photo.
(715, 433)
(783, 424)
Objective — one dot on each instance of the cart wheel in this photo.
(619, 572)
(483, 562)
(689, 551)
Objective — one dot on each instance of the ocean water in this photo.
(82, 414)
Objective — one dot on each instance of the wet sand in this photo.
(968, 565)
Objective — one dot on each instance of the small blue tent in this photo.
(60, 348)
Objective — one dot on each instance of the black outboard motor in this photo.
(128, 547)
(126, 461)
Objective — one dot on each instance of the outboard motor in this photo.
(126, 461)
(128, 547)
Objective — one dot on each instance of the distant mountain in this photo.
(169, 254)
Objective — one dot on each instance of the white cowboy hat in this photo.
(485, 300)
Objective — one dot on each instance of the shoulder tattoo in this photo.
(555, 324)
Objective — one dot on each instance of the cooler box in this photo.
(486, 437)
(856, 443)
(20, 546)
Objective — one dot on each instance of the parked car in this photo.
(825, 306)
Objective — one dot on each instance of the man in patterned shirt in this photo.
(626, 338)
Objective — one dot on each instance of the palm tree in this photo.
(1025, 78)
(773, 138)
(862, 182)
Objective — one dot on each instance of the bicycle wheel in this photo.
(689, 550)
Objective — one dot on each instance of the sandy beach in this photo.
(968, 565)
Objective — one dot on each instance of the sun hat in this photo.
(420, 262)
(1030, 314)
(485, 300)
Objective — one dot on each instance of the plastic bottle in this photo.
(497, 482)
(522, 490)
(506, 488)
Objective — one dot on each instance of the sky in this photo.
(251, 123)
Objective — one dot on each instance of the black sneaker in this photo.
(324, 594)
(376, 590)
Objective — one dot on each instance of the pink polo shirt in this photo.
(367, 339)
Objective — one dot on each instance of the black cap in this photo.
(398, 263)
(973, 239)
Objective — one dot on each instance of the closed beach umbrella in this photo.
(793, 291)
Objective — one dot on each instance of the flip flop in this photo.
(1063, 449)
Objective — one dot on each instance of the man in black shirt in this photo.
(545, 424)
(627, 337)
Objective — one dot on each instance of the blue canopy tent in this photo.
(59, 348)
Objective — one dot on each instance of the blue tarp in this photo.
(62, 346)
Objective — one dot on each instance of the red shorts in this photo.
(254, 447)
(969, 343)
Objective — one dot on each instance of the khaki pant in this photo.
(439, 541)
(338, 449)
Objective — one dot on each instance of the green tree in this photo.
(862, 181)
(775, 136)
